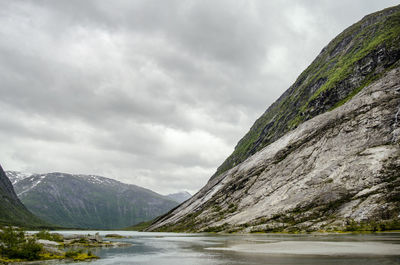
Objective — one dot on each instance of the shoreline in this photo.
(319, 248)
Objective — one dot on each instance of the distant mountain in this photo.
(179, 196)
(325, 156)
(86, 201)
(12, 211)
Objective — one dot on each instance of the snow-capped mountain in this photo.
(87, 201)
(16, 176)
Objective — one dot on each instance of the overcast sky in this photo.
(153, 93)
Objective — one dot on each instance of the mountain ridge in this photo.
(339, 72)
(87, 201)
(283, 177)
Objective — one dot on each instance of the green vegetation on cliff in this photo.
(358, 56)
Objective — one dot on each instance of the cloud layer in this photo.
(155, 93)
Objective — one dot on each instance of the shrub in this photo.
(80, 255)
(71, 254)
(30, 250)
(48, 236)
(14, 245)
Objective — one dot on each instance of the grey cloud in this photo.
(12, 126)
(155, 93)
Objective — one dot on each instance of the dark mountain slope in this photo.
(85, 201)
(12, 211)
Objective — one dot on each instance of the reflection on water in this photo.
(198, 249)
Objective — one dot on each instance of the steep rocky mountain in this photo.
(12, 211)
(358, 56)
(85, 201)
(179, 197)
(324, 156)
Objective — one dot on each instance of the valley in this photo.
(157, 95)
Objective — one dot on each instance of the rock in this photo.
(337, 168)
(47, 242)
(114, 236)
(359, 55)
(95, 238)
(53, 250)
(121, 244)
(74, 236)
(324, 156)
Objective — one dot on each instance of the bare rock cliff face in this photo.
(324, 156)
(339, 168)
(358, 56)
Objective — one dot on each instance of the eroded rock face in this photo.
(361, 54)
(339, 168)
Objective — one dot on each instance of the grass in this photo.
(79, 255)
(372, 226)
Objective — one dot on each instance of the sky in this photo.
(152, 93)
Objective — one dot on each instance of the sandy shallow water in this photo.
(317, 248)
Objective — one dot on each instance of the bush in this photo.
(14, 245)
(30, 250)
(80, 255)
(71, 254)
(48, 236)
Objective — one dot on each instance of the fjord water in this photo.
(198, 249)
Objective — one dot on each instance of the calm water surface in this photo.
(198, 249)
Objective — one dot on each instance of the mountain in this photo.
(324, 156)
(179, 197)
(86, 201)
(360, 55)
(12, 211)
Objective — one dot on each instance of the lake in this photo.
(282, 249)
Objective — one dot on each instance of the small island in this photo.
(18, 246)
